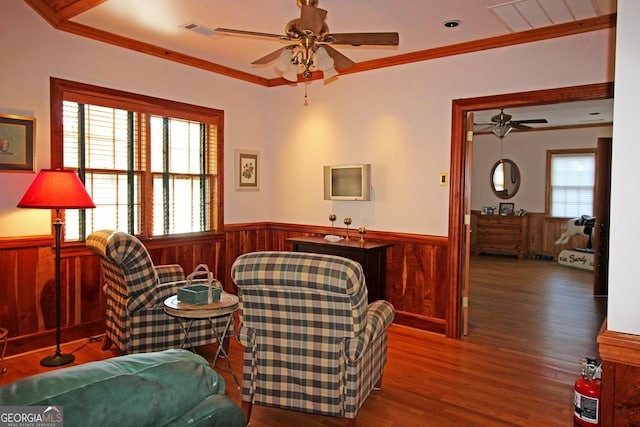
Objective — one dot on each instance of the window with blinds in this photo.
(150, 171)
(571, 178)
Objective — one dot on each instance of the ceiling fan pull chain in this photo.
(306, 97)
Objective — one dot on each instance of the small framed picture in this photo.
(16, 143)
(247, 170)
(506, 208)
(487, 210)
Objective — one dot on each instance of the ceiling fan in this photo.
(312, 49)
(503, 123)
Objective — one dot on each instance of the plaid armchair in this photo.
(135, 291)
(311, 342)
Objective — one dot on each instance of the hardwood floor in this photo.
(531, 323)
(534, 306)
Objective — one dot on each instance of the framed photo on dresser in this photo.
(506, 208)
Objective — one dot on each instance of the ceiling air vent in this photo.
(197, 28)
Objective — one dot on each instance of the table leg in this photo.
(4, 336)
(221, 350)
(186, 330)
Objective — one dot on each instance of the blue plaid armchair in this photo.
(135, 291)
(311, 341)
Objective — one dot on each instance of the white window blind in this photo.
(572, 180)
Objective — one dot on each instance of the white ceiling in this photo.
(583, 113)
(420, 23)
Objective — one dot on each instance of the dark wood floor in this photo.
(531, 323)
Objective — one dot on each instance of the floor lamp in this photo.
(57, 189)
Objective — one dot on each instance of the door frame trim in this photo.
(460, 165)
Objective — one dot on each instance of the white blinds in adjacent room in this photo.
(572, 180)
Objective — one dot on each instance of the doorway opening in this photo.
(460, 174)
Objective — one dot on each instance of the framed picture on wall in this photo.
(16, 143)
(506, 209)
(247, 170)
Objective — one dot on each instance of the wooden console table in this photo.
(372, 256)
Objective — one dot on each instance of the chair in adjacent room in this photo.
(311, 341)
(135, 291)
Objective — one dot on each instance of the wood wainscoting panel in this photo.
(543, 233)
(417, 280)
(620, 355)
(27, 285)
(189, 252)
(417, 277)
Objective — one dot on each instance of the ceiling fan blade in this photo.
(251, 33)
(340, 62)
(531, 121)
(312, 19)
(517, 125)
(363, 39)
(272, 56)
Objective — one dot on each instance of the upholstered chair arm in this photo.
(380, 314)
(170, 278)
(169, 273)
(165, 290)
(246, 336)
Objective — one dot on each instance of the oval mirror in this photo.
(505, 179)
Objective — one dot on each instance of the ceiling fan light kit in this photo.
(501, 131)
(301, 61)
(312, 50)
(502, 124)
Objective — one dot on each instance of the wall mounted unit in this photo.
(347, 182)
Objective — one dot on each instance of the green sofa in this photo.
(168, 388)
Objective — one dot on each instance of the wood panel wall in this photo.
(417, 277)
(544, 231)
(620, 353)
(27, 285)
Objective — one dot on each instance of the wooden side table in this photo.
(372, 256)
(187, 313)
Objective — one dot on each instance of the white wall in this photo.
(34, 51)
(624, 291)
(399, 120)
(529, 152)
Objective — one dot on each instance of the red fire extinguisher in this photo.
(586, 402)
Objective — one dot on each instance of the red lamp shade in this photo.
(56, 189)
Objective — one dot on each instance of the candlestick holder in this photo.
(347, 222)
(361, 231)
(332, 218)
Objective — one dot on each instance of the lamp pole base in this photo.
(57, 359)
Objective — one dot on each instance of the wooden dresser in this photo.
(499, 234)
